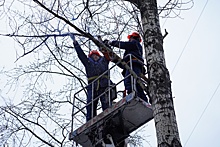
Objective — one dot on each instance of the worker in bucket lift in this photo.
(133, 47)
(95, 65)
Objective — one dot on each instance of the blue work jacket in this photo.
(94, 68)
(131, 47)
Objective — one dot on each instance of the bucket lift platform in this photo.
(118, 122)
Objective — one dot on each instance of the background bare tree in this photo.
(49, 72)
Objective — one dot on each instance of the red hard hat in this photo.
(134, 34)
(94, 52)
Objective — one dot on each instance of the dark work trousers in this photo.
(137, 68)
(96, 93)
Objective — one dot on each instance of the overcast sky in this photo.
(192, 57)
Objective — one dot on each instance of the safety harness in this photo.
(98, 80)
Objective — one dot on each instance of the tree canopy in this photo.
(48, 72)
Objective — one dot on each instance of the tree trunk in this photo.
(159, 85)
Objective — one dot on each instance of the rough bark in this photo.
(159, 80)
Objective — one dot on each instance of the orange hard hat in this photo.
(135, 35)
(94, 52)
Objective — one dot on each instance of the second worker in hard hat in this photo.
(134, 48)
(95, 65)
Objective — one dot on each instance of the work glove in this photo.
(107, 42)
(72, 36)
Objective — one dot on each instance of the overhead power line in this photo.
(190, 36)
(176, 65)
(202, 113)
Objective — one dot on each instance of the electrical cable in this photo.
(202, 114)
(189, 36)
(177, 63)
